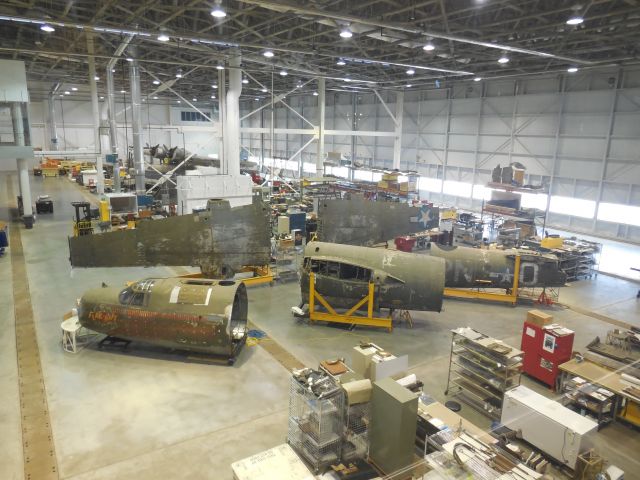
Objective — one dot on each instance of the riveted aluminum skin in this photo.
(469, 267)
(220, 240)
(402, 280)
(200, 315)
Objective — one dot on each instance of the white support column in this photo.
(321, 120)
(607, 148)
(95, 109)
(136, 124)
(111, 104)
(232, 117)
(222, 113)
(53, 128)
(23, 168)
(397, 139)
(446, 144)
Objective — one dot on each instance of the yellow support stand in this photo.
(261, 274)
(348, 317)
(511, 298)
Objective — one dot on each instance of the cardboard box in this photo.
(407, 187)
(539, 318)
(383, 184)
(393, 177)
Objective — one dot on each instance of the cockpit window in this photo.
(528, 272)
(344, 271)
(137, 299)
(130, 297)
(125, 296)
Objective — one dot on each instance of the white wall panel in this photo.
(627, 125)
(584, 124)
(588, 102)
(583, 148)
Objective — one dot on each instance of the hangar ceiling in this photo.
(388, 40)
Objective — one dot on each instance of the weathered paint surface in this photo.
(364, 222)
(189, 314)
(219, 240)
(402, 280)
(471, 267)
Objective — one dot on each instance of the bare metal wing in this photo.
(219, 240)
(364, 222)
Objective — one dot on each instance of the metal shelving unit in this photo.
(588, 399)
(316, 418)
(537, 218)
(482, 369)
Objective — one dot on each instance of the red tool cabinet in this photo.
(545, 348)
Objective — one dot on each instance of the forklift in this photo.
(82, 222)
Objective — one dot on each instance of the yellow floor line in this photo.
(37, 440)
(598, 316)
(282, 356)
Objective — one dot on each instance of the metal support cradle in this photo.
(348, 317)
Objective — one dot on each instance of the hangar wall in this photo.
(161, 123)
(580, 133)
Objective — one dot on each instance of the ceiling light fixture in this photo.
(341, 62)
(163, 37)
(96, 78)
(113, 70)
(194, 99)
(213, 96)
(45, 27)
(123, 91)
(129, 59)
(268, 53)
(101, 98)
(214, 86)
(283, 73)
(75, 89)
(155, 98)
(575, 19)
(572, 69)
(346, 79)
(409, 85)
(477, 79)
(315, 94)
(346, 33)
(217, 11)
(67, 92)
(179, 101)
(220, 67)
(264, 90)
(411, 71)
(156, 82)
(179, 73)
(429, 47)
(503, 59)
(257, 99)
(245, 81)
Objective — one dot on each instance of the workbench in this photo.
(601, 376)
(437, 410)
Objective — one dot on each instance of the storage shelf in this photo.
(479, 373)
(506, 368)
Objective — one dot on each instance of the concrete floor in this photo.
(149, 414)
